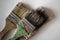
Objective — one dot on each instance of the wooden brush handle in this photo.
(9, 26)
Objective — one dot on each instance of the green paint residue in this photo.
(20, 32)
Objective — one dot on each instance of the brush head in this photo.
(25, 21)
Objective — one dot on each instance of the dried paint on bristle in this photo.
(37, 18)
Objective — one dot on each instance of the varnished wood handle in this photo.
(9, 26)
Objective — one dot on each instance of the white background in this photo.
(50, 30)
